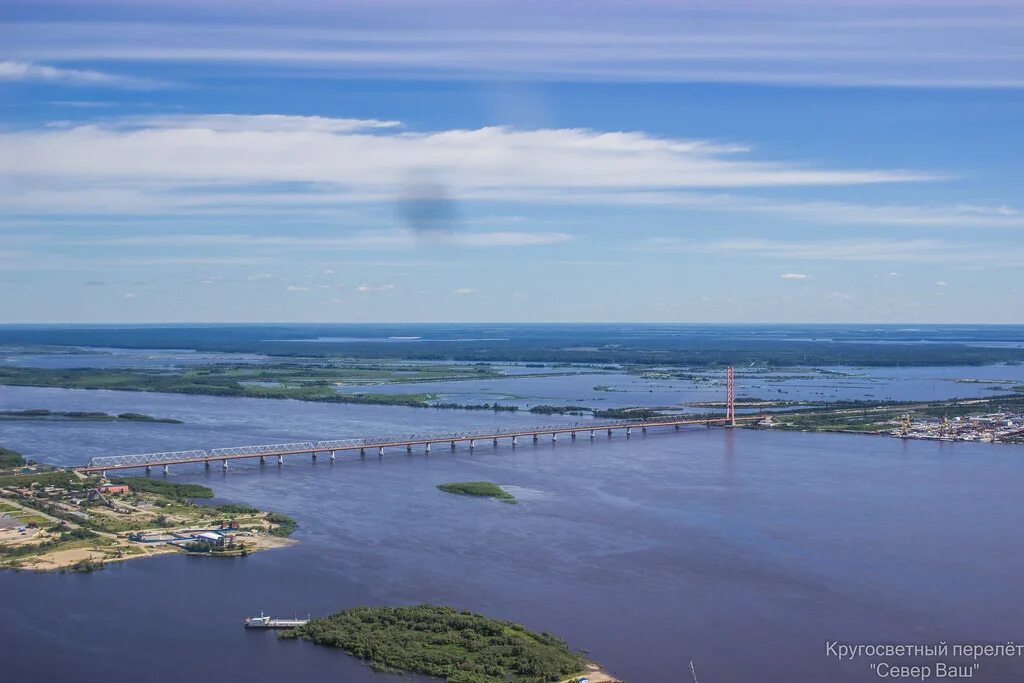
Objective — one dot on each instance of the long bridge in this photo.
(313, 449)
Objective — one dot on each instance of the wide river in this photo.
(744, 551)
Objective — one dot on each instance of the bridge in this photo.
(408, 442)
(105, 463)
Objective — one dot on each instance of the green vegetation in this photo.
(628, 413)
(483, 489)
(872, 417)
(10, 459)
(51, 478)
(177, 492)
(283, 525)
(309, 380)
(44, 414)
(560, 410)
(460, 647)
(236, 509)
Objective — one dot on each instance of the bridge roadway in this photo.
(165, 460)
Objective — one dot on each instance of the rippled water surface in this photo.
(743, 550)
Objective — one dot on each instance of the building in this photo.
(210, 538)
(112, 488)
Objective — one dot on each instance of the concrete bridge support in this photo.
(362, 452)
(609, 433)
(515, 441)
(574, 436)
(408, 448)
(495, 444)
(554, 437)
(629, 431)
(148, 471)
(453, 445)
(206, 464)
(280, 460)
(380, 452)
(334, 456)
(312, 456)
(472, 444)
(427, 449)
(263, 460)
(535, 438)
(591, 433)
(167, 470)
(224, 465)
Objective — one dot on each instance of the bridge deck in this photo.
(122, 462)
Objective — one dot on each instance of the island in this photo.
(45, 414)
(483, 489)
(56, 519)
(440, 641)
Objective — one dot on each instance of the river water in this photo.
(742, 550)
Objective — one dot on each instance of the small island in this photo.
(95, 416)
(457, 646)
(54, 520)
(483, 489)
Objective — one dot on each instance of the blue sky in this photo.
(781, 160)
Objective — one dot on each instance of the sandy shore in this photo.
(594, 674)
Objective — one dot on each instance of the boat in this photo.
(263, 621)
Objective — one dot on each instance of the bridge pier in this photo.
(280, 461)
(472, 444)
(380, 452)
(224, 465)
(609, 433)
(535, 438)
(453, 445)
(103, 473)
(167, 470)
(515, 441)
(312, 456)
(495, 444)
(427, 449)
(554, 437)
(362, 452)
(263, 460)
(148, 470)
(574, 436)
(677, 428)
(408, 448)
(629, 431)
(591, 433)
(333, 456)
(643, 430)
(206, 464)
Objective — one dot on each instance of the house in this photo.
(210, 538)
(113, 488)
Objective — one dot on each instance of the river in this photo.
(742, 550)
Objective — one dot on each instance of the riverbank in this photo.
(59, 521)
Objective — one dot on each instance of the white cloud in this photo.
(296, 288)
(892, 43)
(129, 295)
(259, 277)
(795, 276)
(146, 160)
(386, 239)
(941, 283)
(375, 288)
(29, 72)
(879, 250)
(462, 291)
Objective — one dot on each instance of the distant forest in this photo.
(642, 344)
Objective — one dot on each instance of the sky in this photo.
(528, 161)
